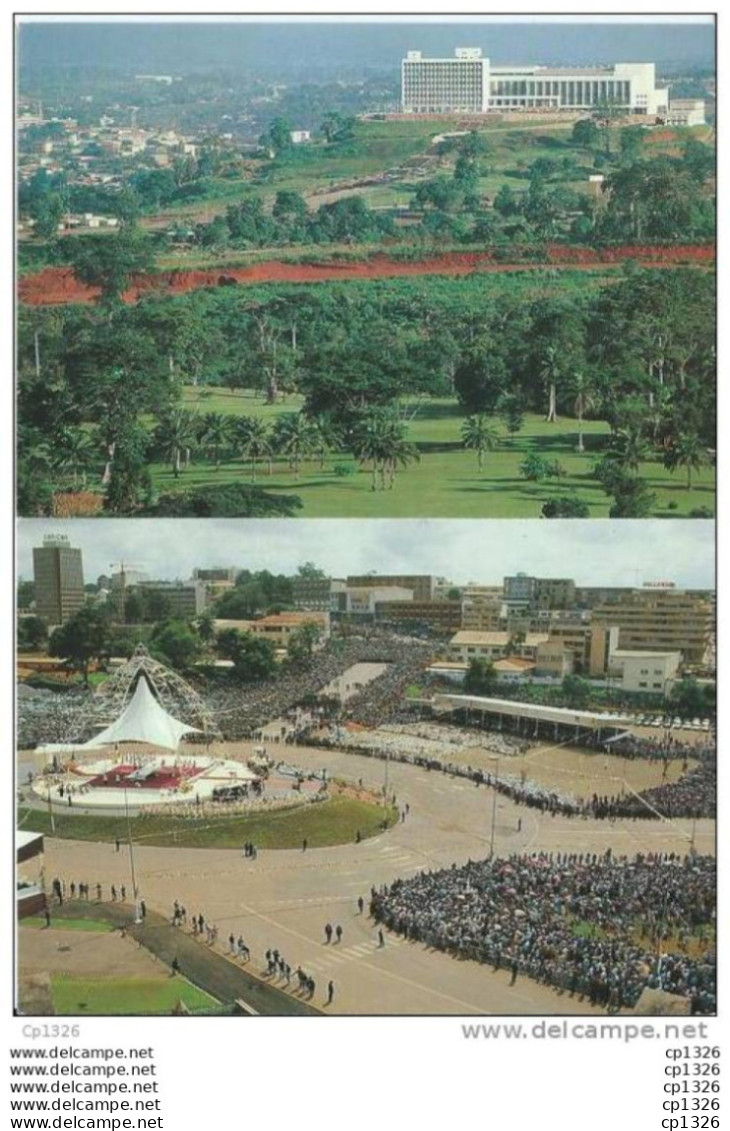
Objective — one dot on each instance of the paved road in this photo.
(284, 898)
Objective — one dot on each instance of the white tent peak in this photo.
(144, 720)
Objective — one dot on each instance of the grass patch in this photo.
(124, 996)
(446, 483)
(323, 824)
(35, 922)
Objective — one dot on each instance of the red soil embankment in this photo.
(57, 285)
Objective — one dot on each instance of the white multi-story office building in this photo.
(467, 83)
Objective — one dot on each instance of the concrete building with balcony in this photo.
(312, 593)
(185, 600)
(280, 627)
(439, 616)
(553, 659)
(655, 620)
(483, 614)
(467, 83)
(422, 586)
(686, 112)
(363, 600)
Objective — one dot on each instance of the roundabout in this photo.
(331, 859)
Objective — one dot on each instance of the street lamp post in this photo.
(50, 811)
(135, 892)
(494, 808)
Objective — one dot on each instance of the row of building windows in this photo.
(572, 92)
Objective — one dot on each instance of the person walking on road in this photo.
(305, 842)
(328, 932)
(360, 905)
(381, 938)
(338, 932)
(330, 992)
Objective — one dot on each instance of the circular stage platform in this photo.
(110, 783)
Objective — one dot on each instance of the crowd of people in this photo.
(253, 707)
(428, 740)
(49, 717)
(665, 747)
(692, 796)
(599, 927)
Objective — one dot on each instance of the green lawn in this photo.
(35, 922)
(323, 824)
(381, 146)
(446, 482)
(124, 996)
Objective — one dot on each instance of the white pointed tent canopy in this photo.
(163, 689)
(144, 720)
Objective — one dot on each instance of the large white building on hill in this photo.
(467, 83)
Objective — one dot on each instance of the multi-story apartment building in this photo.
(312, 593)
(652, 619)
(483, 614)
(280, 627)
(554, 593)
(421, 585)
(185, 599)
(442, 616)
(521, 591)
(467, 83)
(58, 574)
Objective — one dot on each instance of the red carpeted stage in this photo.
(146, 777)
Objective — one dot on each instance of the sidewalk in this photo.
(210, 971)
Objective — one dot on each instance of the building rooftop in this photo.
(466, 637)
(636, 654)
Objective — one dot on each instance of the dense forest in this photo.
(101, 389)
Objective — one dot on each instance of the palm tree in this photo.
(687, 451)
(629, 448)
(380, 437)
(551, 373)
(326, 436)
(585, 399)
(293, 438)
(252, 440)
(400, 453)
(215, 434)
(77, 452)
(369, 441)
(479, 436)
(174, 435)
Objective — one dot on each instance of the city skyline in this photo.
(682, 551)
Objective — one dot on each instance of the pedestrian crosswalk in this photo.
(334, 958)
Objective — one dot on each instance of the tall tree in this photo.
(479, 436)
(83, 637)
(174, 436)
(292, 437)
(252, 440)
(584, 399)
(686, 451)
(110, 262)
